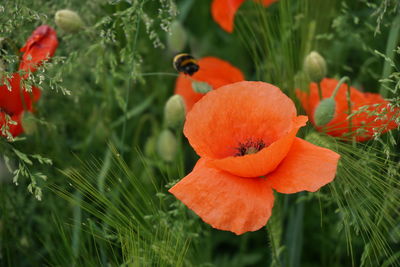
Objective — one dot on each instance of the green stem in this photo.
(390, 53)
(76, 230)
(294, 233)
(273, 248)
(348, 97)
(341, 81)
(185, 8)
(319, 90)
(159, 74)
(130, 78)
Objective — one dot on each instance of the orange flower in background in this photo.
(363, 124)
(214, 71)
(14, 98)
(223, 11)
(245, 134)
(40, 46)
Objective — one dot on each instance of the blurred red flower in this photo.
(14, 98)
(214, 71)
(363, 124)
(40, 46)
(223, 11)
(245, 134)
(14, 128)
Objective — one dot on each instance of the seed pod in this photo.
(174, 112)
(201, 87)
(325, 111)
(315, 66)
(68, 20)
(167, 146)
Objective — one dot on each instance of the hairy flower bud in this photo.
(150, 146)
(68, 20)
(315, 66)
(174, 111)
(167, 146)
(177, 38)
(325, 111)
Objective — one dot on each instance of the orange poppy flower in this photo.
(223, 11)
(245, 134)
(214, 71)
(13, 129)
(40, 46)
(363, 125)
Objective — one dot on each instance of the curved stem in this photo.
(130, 77)
(348, 97)
(341, 81)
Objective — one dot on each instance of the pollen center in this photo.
(249, 147)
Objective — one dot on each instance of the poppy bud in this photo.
(167, 146)
(315, 66)
(68, 20)
(177, 37)
(325, 111)
(150, 146)
(174, 111)
(28, 123)
(201, 87)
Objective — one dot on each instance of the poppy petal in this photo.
(14, 129)
(214, 71)
(306, 167)
(225, 201)
(235, 113)
(12, 101)
(223, 12)
(263, 162)
(40, 46)
(363, 125)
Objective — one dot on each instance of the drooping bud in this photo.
(28, 122)
(201, 87)
(315, 66)
(68, 20)
(177, 38)
(150, 146)
(174, 111)
(325, 111)
(167, 146)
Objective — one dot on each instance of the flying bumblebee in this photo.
(185, 63)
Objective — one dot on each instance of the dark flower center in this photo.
(249, 147)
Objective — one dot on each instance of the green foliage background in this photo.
(88, 187)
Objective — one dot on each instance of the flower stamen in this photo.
(249, 147)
